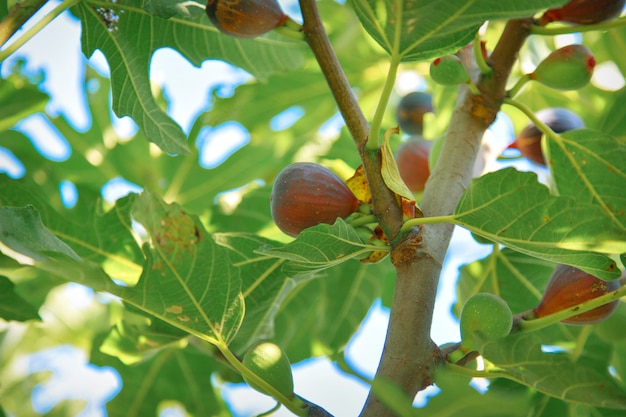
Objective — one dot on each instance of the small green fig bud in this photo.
(245, 18)
(448, 70)
(269, 362)
(487, 314)
(411, 110)
(567, 68)
(584, 12)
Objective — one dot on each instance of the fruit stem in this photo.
(473, 88)
(562, 30)
(477, 48)
(409, 224)
(525, 325)
(37, 27)
(531, 115)
(373, 141)
(519, 85)
(363, 220)
(291, 29)
(475, 373)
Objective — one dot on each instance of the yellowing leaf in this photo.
(390, 172)
(359, 186)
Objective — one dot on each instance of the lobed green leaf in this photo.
(591, 167)
(420, 29)
(520, 358)
(514, 209)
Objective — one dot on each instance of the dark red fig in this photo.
(306, 194)
(584, 12)
(245, 18)
(558, 119)
(411, 110)
(412, 161)
(569, 286)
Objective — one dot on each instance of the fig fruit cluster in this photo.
(307, 194)
(487, 314)
(245, 18)
(584, 12)
(569, 286)
(528, 141)
(269, 362)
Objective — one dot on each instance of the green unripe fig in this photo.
(448, 70)
(411, 110)
(569, 286)
(487, 314)
(269, 362)
(307, 194)
(412, 161)
(245, 18)
(567, 68)
(528, 141)
(584, 12)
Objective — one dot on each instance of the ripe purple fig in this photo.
(584, 12)
(567, 68)
(529, 139)
(306, 194)
(569, 286)
(411, 110)
(412, 161)
(245, 18)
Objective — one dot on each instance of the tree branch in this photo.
(384, 204)
(410, 357)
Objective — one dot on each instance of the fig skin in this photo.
(268, 361)
(556, 118)
(567, 68)
(448, 70)
(569, 286)
(485, 313)
(307, 194)
(412, 161)
(584, 12)
(411, 110)
(245, 18)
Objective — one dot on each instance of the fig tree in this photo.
(584, 12)
(245, 18)
(567, 68)
(269, 362)
(306, 194)
(412, 161)
(485, 313)
(569, 286)
(556, 118)
(411, 110)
